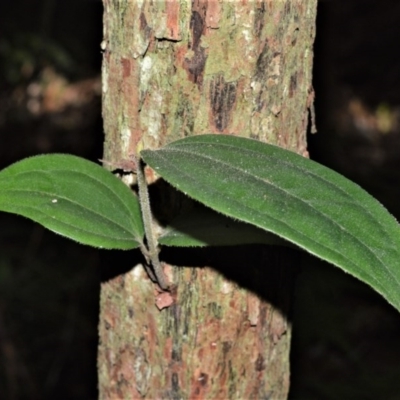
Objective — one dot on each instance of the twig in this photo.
(155, 271)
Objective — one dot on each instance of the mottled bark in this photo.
(178, 68)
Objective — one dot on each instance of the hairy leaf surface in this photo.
(291, 196)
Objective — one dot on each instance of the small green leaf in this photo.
(75, 198)
(291, 196)
(203, 227)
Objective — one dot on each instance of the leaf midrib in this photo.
(257, 178)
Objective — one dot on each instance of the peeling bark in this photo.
(173, 69)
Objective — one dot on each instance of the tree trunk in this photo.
(173, 69)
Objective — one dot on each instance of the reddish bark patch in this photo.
(213, 14)
(172, 10)
(126, 68)
(164, 300)
(199, 386)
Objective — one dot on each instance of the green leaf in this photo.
(75, 198)
(291, 196)
(203, 227)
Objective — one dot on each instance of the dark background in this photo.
(345, 337)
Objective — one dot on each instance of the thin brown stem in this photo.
(151, 252)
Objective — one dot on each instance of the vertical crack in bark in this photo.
(197, 27)
(222, 98)
(195, 64)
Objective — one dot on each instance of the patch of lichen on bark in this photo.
(271, 48)
(120, 308)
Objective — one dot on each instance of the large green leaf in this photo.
(291, 196)
(75, 198)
